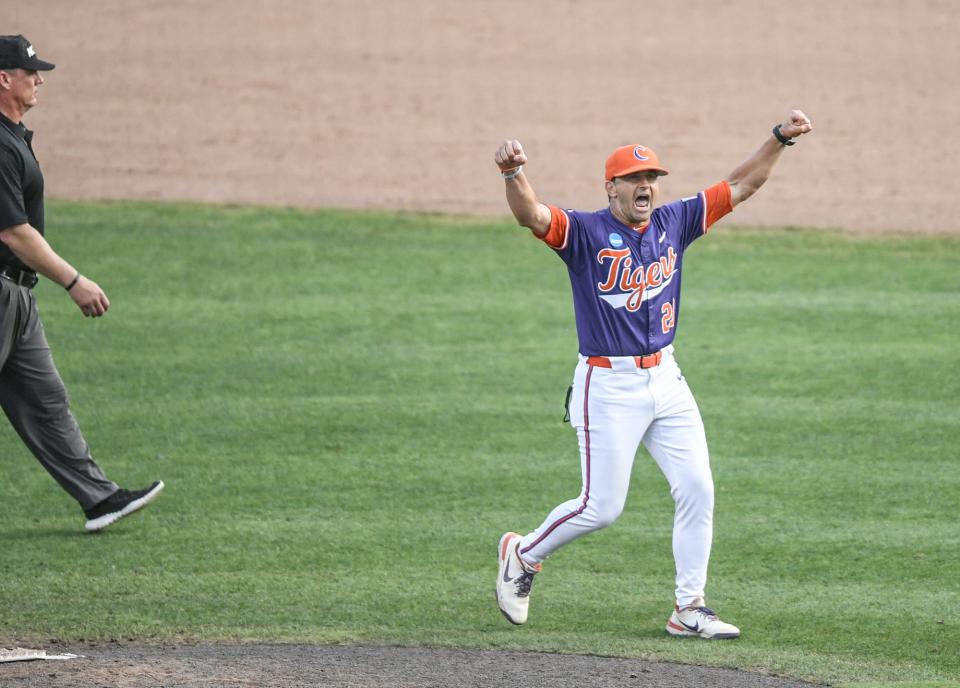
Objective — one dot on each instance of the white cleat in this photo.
(700, 621)
(513, 580)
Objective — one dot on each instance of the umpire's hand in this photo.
(89, 297)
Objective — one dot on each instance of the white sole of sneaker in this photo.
(101, 522)
(504, 543)
(684, 633)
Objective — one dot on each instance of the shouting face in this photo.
(633, 196)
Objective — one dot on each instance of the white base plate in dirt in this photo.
(22, 654)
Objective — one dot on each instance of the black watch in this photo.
(781, 138)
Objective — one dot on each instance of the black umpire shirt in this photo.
(21, 184)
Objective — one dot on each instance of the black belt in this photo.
(25, 278)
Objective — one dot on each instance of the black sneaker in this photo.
(121, 503)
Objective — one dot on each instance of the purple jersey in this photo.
(626, 282)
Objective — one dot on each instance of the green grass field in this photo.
(350, 408)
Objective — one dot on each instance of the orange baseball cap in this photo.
(629, 159)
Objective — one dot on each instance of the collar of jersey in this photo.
(639, 230)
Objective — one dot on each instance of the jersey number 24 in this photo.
(668, 320)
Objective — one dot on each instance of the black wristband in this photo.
(781, 138)
(73, 282)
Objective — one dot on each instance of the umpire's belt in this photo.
(25, 278)
(648, 361)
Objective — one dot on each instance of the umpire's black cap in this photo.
(17, 53)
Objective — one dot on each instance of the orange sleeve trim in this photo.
(718, 202)
(556, 236)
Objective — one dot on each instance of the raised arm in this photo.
(523, 202)
(751, 174)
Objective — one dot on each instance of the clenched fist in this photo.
(799, 124)
(510, 156)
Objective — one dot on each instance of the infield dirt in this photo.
(307, 666)
(400, 105)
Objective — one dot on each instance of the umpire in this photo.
(32, 394)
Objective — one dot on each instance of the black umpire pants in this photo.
(34, 398)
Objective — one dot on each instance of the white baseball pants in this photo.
(614, 410)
